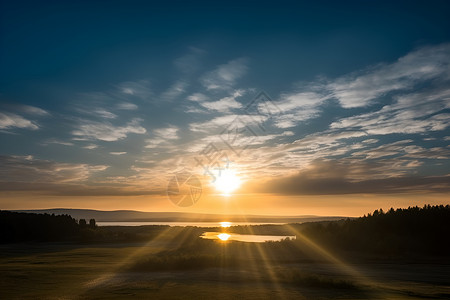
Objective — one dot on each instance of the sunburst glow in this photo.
(225, 224)
(227, 182)
(223, 236)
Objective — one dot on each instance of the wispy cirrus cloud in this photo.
(27, 169)
(361, 88)
(31, 175)
(136, 89)
(415, 94)
(57, 142)
(410, 113)
(334, 186)
(352, 176)
(298, 107)
(33, 110)
(416, 83)
(175, 90)
(162, 137)
(90, 146)
(126, 106)
(390, 149)
(226, 75)
(223, 105)
(349, 150)
(328, 138)
(405, 149)
(10, 121)
(105, 131)
(214, 124)
(118, 153)
(13, 117)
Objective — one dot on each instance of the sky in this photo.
(324, 107)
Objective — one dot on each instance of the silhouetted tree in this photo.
(82, 223)
(92, 223)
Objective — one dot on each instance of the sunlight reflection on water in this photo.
(249, 238)
(223, 236)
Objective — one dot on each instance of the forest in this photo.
(408, 231)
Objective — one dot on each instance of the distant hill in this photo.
(140, 216)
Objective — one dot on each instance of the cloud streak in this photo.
(10, 121)
(226, 75)
(334, 178)
(27, 169)
(361, 88)
(105, 131)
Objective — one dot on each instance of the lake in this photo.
(185, 224)
(249, 238)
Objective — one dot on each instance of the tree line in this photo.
(413, 230)
(20, 227)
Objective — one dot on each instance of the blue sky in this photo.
(110, 99)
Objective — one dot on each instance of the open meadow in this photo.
(174, 263)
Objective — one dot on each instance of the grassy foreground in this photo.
(171, 269)
(330, 260)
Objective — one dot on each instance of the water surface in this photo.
(249, 238)
(185, 224)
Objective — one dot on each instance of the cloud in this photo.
(137, 89)
(410, 113)
(225, 76)
(92, 108)
(404, 148)
(370, 141)
(58, 142)
(328, 138)
(162, 137)
(106, 131)
(32, 110)
(222, 122)
(126, 106)
(29, 174)
(417, 83)
(177, 89)
(224, 104)
(103, 113)
(297, 107)
(117, 153)
(351, 151)
(361, 88)
(170, 133)
(27, 169)
(355, 177)
(390, 149)
(78, 190)
(198, 97)
(10, 120)
(90, 147)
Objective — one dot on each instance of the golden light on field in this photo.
(223, 236)
(227, 182)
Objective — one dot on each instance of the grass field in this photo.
(178, 265)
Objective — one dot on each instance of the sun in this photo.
(226, 182)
